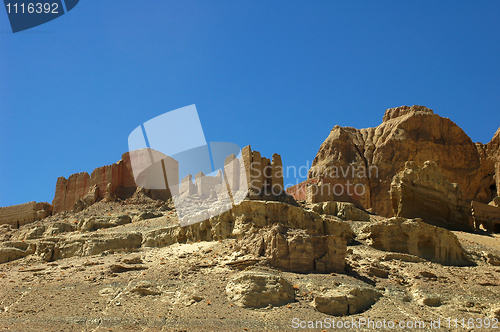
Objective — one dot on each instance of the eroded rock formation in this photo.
(345, 300)
(413, 236)
(263, 180)
(119, 176)
(265, 177)
(369, 158)
(424, 192)
(259, 289)
(18, 215)
(113, 181)
(286, 236)
(298, 250)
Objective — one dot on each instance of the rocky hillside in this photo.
(261, 266)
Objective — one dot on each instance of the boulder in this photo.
(401, 257)
(120, 268)
(58, 228)
(424, 192)
(257, 289)
(90, 198)
(12, 250)
(348, 211)
(425, 298)
(32, 233)
(149, 215)
(109, 196)
(143, 288)
(414, 237)
(6, 232)
(345, 300)
(495, 312)
(491, 259)
(93, 224)
(45, 250)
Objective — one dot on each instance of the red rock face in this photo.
(406, 134)
(119, 175)
(117, 179)
(298, 191)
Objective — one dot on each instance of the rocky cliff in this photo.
(371, 157)
(119, 176)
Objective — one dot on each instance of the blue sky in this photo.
(277, 75)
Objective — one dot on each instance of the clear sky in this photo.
(274, 74)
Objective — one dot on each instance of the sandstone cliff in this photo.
(371, 157)
(118, 175)
(263, 180)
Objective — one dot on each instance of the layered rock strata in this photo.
(18, 215)
(357, 165)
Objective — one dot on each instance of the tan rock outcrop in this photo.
(342, 210)
(247, 218)
(94, 244)
(486, 217)
(493, 153)
(90, 198)
(369, 158)
(424, 192)
(93, 224)
(322, 237)
(11, 250)
(345, 300)
(297, 250)
(414, 237)
(257, 289)
(264, 177)
(18, 215)
(288, 236)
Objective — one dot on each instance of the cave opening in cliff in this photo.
(496, 228)
(493, 189)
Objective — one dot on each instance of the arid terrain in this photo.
(182, 287)
(418, 249)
